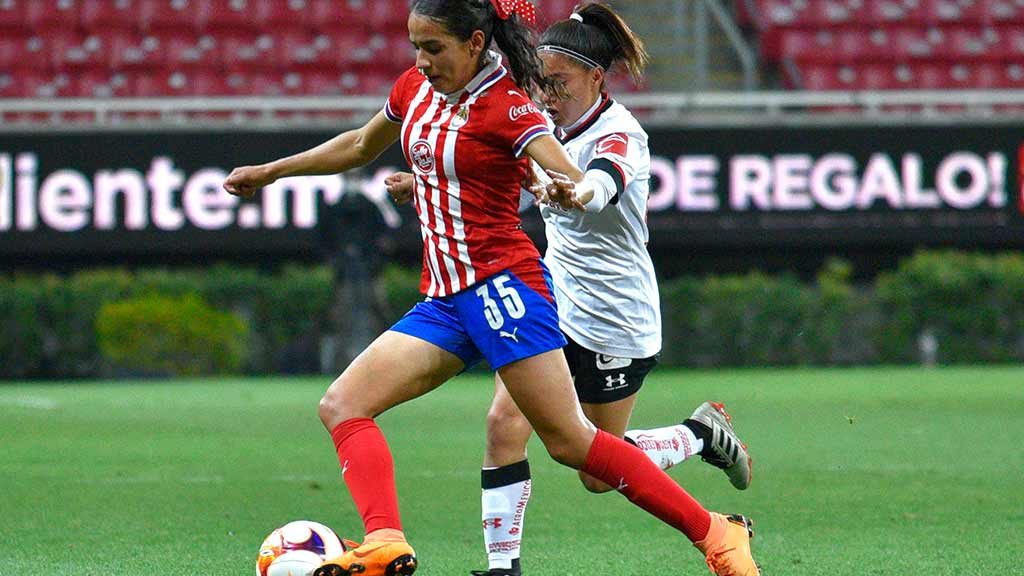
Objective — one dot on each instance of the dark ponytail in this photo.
(463, 17)
(602, 36)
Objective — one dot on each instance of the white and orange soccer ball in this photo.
(296, 549)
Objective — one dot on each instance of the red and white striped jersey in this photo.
(466, 153)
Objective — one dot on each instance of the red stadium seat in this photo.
(101, 84)
(172, 14)
(50, 14)
(239, 49)
(98, 15)
(333, 15)
(988, 75)
(197, 82)
(906, 43)
(1004, 12)
(826, 77)
(13, 48)
(552, 11)
(876, 77)
(1013, 75)
(237, 14)
(92, 52)
(342, 49)
(25, 83)
(180, 48)
(14, 14)
(60, 45)
(323, 82)
(278, 13)
(807, 45)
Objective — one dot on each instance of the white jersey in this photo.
(604, 280)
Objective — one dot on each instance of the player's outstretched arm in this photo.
(343, 152)
(570, 189)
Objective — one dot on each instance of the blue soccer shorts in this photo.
(507, 317)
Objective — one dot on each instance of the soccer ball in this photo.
(296, 549)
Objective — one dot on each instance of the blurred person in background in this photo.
(468, 130)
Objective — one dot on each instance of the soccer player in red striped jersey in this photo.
(468, 130)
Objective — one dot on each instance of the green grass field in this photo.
(859, 472)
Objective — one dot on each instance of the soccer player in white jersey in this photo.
(604, 283)
(468, 131)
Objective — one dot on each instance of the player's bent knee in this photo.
(504, 427)
(566, 453)
(336, 405)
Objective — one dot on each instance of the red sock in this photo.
(368, 471)
(620, 464)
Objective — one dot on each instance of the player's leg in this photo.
(505, 484)
(603, 382)
(512, 320)
(382, 377)
(613, 418)
(708, 432)
(541, 387)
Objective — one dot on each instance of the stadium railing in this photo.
(657, 108)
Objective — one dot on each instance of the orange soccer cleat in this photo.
(726, 547)
(372, 558)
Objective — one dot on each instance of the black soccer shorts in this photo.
(600, 378)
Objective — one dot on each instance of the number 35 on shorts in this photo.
(510, 301)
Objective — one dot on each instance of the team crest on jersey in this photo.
(422, 155)
(461, 117)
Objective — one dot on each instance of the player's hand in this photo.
(562, 191)
(400, 187)
(245, 181)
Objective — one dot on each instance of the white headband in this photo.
(570, 53)
(576, 16)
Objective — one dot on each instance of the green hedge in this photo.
(755, 320)
(168, 335)
(971, 304)
(54, 332)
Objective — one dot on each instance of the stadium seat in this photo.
(53, 14)
(278, 13)
(24, 83)
(98, 15)
(172, 14)
(60, 46)
(101, 84)
(182, 49)
(13, 14)
(238, 14)
(238, 49)
(197, 82)
(13, 48)
(327, 15)
(551, 11)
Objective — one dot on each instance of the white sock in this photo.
(667, 446)
(506, 491)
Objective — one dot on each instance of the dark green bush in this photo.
(22, 339)
(973, 305)
(401, 290)
(171, 335)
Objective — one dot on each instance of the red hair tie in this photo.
(506, 8)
